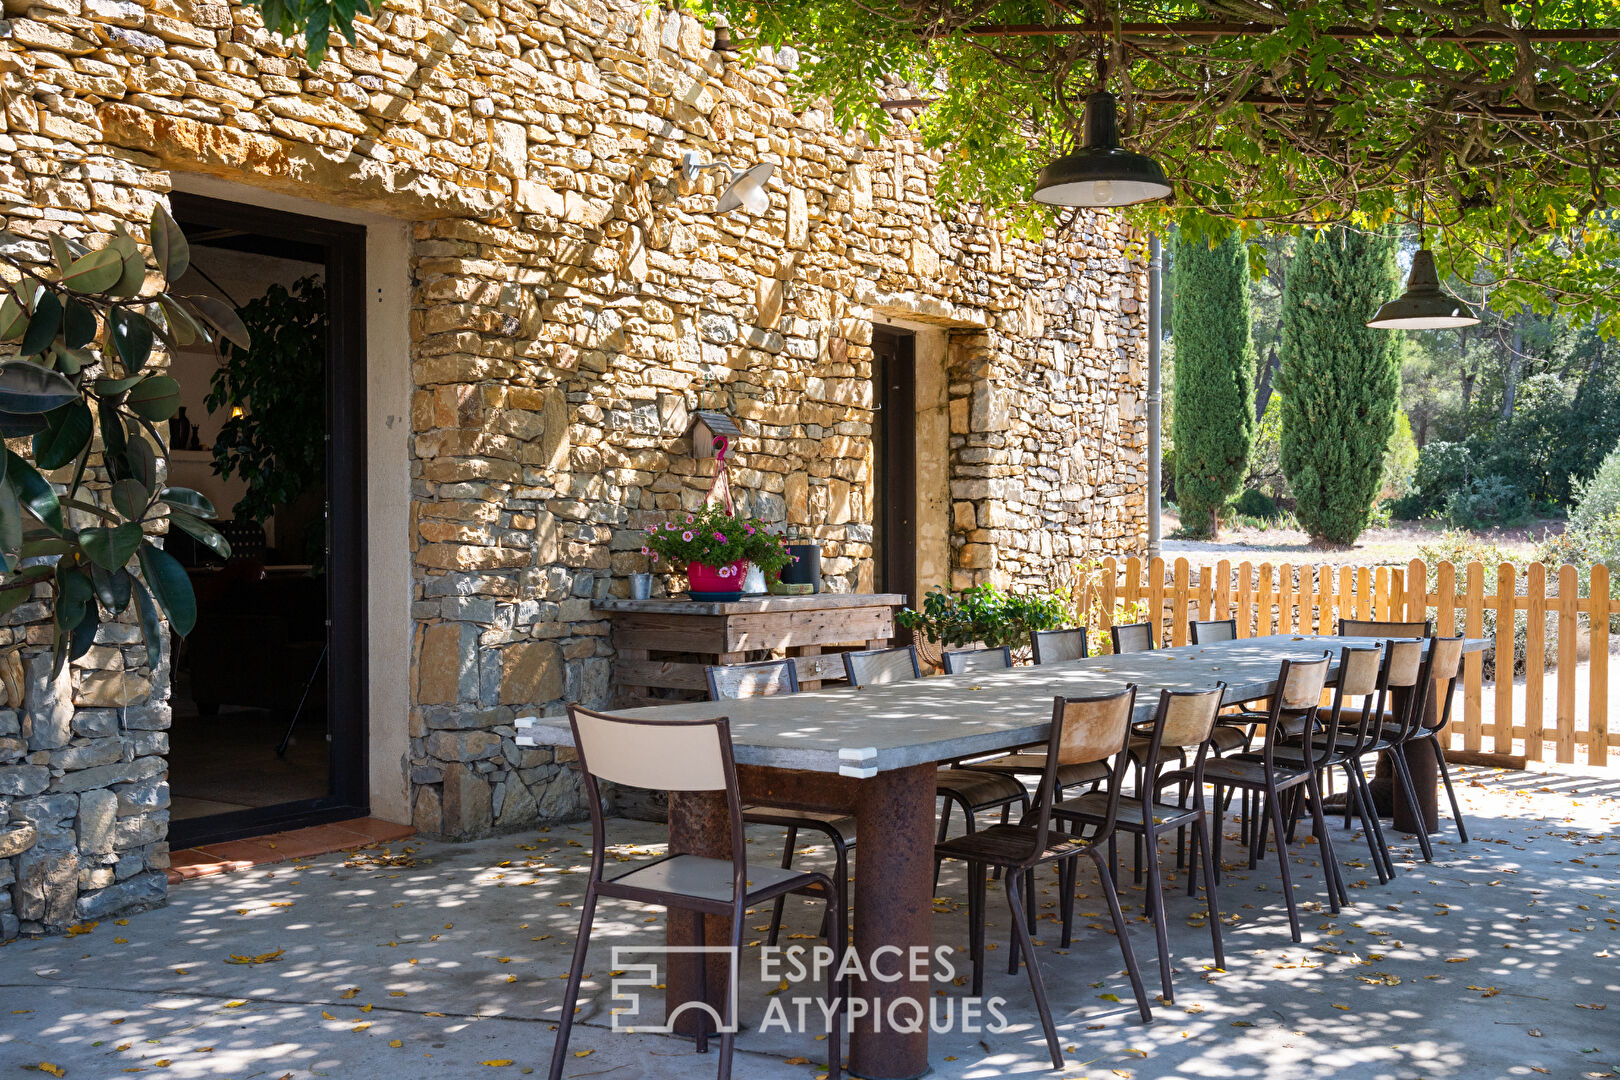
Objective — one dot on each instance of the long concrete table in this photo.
(873, 752)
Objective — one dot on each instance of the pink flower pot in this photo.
(713, 580)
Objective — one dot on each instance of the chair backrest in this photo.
(1361, 675)
(1377, 629)
(1056, 646)
(874, 667)
(1445, 664)
(1085, 730)
(762, 678)
(663, 755)
(1403, 663)
(962, 661)
(1202, 633)
(1187, 717)
(1301, 682)
(1132, 637)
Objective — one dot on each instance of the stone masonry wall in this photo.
(574, 301)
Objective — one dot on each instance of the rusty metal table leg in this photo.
(698, 825)
(1388, 797)
(893, 907)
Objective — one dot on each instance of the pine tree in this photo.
(1340, 380)
(1213, 419)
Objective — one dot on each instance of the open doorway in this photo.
(894, 517)
(268, 693)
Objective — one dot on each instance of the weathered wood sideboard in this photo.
(664, 644)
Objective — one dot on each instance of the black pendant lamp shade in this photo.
(1424, 305)
(1101, 173)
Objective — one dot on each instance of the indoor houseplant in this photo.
(80, 325)
(714, 547)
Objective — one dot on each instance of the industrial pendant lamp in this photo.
(745, 190)
(1424, 305)
(1101, 172)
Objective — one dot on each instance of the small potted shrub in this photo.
(980, 616)
(714, 548)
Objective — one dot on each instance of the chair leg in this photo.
(1066, 877)
(1211, 894)
(978, 893)
(1120, 931)
(1352, 794)
(565, 1027)
(1037, 987)
(1261, 829)
(1365, 798)
(944, 826)
(1150, 842)
(1451, 792)
(1282, 862)
(779, 904)
(1397, 760)
(728, 1037)
(1220, 829)
(1324, 845)
(1029, 919)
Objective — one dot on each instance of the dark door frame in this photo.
(894, 510)
(343, 247)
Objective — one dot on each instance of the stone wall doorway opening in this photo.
(269, 689)
(894, 449)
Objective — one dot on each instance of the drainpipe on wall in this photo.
(1154, 397)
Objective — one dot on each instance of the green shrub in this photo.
(1400, 459)
(985, 615)
(1598, 497)
(1461, 548)
(1255, 504)
(1442, 468)
(1486, 501)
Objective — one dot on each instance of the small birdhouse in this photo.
(706, 426)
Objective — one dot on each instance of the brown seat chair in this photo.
(1083, 730)
(763, 678)
(1182, 723)
(1056, 646)
(683, 755)
(1446, 655)
(1132, 637)
(1440, 665)
(973, 791)
(1290, 720)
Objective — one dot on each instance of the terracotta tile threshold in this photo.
(278, 847)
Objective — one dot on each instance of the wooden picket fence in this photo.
(1285, 599)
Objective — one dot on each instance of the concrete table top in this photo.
(860, 733)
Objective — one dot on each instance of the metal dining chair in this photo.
(684, 755)
(1056, 646)
(1444, 667)
(1132, 637)
(974, 790)
(1385, 628)
(1182, 723)
(1440, 664)
(1027, 761)
(1084, 730)
(1290, 719)
(1211, 630)
(763, 678)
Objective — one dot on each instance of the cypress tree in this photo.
(1339, 379)
(1213, 420)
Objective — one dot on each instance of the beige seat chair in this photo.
(1057, 646)
(1084, 731)
(1385, 628)
(1028, 762)
(683, 755)
(1434, 679)
(763, 678)
(973, 791)
(1182, 724)
(1211, 630)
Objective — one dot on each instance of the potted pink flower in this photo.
(714, 549)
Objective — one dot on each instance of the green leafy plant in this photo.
(84, 328)
(983, 614)
(710, 536)
(278, 443)
(315, 19)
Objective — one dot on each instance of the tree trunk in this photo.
(1510, 381)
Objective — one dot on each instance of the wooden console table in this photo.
(664, 644)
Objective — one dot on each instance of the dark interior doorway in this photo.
(269, 689)
(894, 514)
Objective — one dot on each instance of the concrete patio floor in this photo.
(425, 959)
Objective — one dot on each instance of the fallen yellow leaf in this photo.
(395, 1043)
(500, 1063)
(262, 958)
(46, 1066)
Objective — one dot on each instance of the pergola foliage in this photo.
(1498, 123)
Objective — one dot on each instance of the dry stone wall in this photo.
(575, 300)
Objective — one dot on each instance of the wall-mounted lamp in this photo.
(745, 188)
